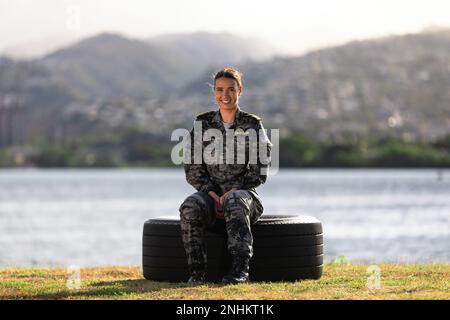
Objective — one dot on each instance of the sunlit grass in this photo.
(339, 281)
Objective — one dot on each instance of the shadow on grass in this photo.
(118, 289)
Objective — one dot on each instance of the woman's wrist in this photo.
(213, 195)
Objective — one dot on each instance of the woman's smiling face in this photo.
(227, 92)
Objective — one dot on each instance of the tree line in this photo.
(132, 148)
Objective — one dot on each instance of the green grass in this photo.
(339, 281)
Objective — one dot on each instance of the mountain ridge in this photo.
(395, 86)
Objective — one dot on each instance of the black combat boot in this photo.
(239, 271)
(197, 276)
(197, 272)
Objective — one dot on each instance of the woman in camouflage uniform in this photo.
(225, 191)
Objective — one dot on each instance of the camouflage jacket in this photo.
(221, 176)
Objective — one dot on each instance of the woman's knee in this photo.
(237, 200)
(193, 207)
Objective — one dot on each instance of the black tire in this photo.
(263, 242)
(219, 262)
(176, 242)
(272, 226)
(286, 248)
(258, 253)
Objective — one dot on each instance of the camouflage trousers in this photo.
(197, 213)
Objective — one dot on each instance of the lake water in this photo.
(95, 217)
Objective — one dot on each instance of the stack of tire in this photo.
(286, 248)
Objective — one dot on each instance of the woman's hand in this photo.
(217, 206)
(214, 195)
(225, 195)
(218, 201)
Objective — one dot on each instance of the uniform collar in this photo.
(237, 120)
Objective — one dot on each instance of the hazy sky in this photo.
(292, 26)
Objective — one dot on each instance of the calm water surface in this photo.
(95, 217)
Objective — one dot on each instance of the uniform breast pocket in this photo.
(212, 152)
